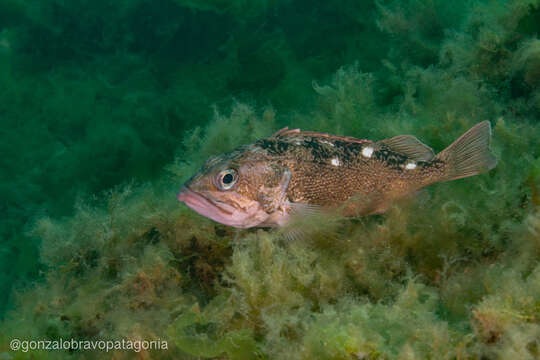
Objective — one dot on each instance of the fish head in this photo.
(235, 189)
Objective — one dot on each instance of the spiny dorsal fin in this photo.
(409, 146)
(286, 132)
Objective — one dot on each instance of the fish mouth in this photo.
(217, 211)
(222, 212)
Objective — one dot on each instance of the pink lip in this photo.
(193, 199)
(204, 206)
(219, 211)
(184, 194)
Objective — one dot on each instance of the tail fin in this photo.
(469, 155)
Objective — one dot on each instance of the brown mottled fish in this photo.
(263, 183)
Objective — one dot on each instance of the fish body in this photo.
(264, 183)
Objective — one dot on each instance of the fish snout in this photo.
(183, 194)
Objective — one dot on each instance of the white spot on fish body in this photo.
(410, 166)
(367, 151)
(326, 142)
(335, 161)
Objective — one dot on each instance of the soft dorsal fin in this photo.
(409, 146)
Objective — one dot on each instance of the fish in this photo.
(294, 172)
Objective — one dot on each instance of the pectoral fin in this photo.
(272, 196)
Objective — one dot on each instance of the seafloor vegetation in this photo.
(453, 273)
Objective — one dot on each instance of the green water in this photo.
(108, 106)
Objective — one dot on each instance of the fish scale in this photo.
(374, 180)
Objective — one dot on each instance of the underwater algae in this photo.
(451, 274)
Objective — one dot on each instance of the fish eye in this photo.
(226, 179)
